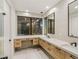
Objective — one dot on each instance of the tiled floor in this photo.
(31, 53)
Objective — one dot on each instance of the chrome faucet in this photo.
(48, 36)
(74, 44)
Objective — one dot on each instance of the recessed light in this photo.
(54, 9)
(27, 10)
(41, 12)
(47, 7)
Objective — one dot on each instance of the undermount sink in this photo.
(70, 46)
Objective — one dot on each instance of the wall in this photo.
(1, 5)
(9, 27)
(13, 29)
(29, 14)
(61, 20)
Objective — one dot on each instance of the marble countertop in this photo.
(65, 46)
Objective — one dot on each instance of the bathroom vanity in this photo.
(56, 48)
(25, 42)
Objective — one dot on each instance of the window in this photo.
(29, 26)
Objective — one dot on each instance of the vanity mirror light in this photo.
(73, 19)
(49, 24)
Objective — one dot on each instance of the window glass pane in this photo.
(23, 25)
(49, 24)
(37, 26)
(29, 25)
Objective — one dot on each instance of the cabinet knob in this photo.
(4, 13)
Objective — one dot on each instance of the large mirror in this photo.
(49, 24)
(73, 19)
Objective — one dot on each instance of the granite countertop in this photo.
(65, 46)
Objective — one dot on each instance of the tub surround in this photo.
(65, 46)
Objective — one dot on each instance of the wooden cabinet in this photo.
(24, 43)
(59, 54)
(55, 52)
(42, 44)
(35, 41)
(69, 56)
(17, 43)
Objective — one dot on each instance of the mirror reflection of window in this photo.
(73, 19)
(49, 24)
(45, 25)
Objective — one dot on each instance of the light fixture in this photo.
(47, 7)
(54, 9)
(26, 10)
(76, 7)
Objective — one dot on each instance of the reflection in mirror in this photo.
(1, 34)
(73, 19)
(49, 24)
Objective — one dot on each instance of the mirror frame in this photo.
(69, 21)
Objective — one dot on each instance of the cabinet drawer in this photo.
(42, 44)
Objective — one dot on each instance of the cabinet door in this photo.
(61, 54)
(68, 56)
(35, 41)
(56, 52)
(53, 51)
(42, 43)
(17, 43)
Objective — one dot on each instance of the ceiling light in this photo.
(27, 10)
(76, 6)
(47, 7)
